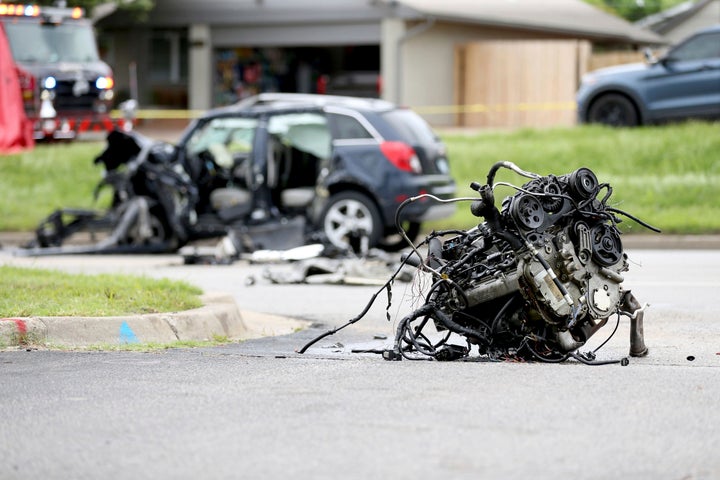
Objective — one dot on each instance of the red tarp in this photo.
(15, 130)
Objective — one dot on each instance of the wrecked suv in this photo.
(274, 171)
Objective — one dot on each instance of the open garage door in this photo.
(336, 70)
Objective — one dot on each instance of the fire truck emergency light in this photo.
(104, 83)
(17, 10)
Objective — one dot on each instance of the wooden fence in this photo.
(520, 83)
(608, 59)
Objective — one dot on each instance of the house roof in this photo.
(666, 20)
(174, 13)
(571, 17)
(568, 17)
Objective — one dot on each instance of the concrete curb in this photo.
(218, 317)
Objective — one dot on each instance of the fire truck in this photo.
(66, 89)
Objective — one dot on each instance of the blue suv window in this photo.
(698, 48)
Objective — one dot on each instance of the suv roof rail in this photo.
(313, 99)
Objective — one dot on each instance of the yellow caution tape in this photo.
(172, 114)
(480, 108)
(162, 114)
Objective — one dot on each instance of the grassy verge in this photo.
(26, 292)
(668, 175)
(36, 183)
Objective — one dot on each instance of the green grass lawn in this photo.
(667, 175)
(26, 292)
(35, 183)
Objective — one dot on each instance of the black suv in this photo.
(344, 163)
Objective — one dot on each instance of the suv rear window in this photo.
(348, 128)
(411, 127)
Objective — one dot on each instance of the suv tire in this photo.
(614, 110)
(346, 213)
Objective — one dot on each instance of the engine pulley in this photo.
(551, 200)
(528, 212)
(583, 184)
(606, 245)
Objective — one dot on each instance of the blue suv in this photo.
(683, 84)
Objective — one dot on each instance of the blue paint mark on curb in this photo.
(127, 335)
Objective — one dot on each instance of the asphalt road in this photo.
(258, 410)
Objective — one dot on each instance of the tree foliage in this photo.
(633, 10)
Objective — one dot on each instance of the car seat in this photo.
(233, 201)
(306, 146)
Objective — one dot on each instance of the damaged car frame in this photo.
(274, 171)
(534, 281)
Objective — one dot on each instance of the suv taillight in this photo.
(401, 155)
